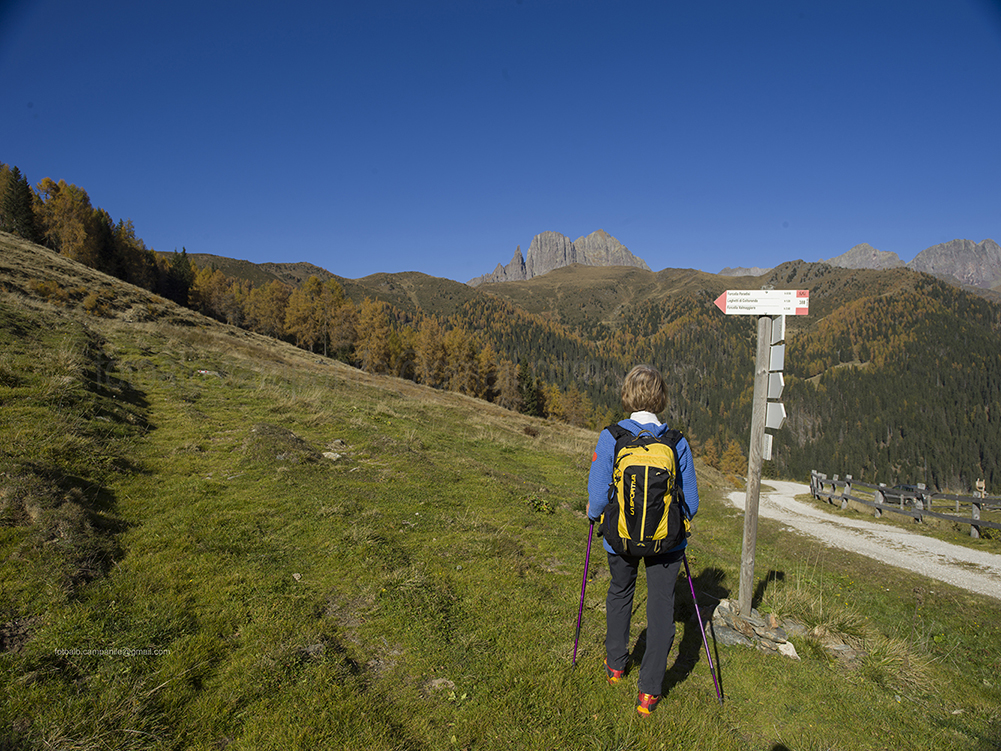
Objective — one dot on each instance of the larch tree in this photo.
(372, 347)
(429, 357)
(403, 353)
(575, 406)
(66, 218)
(460, 354)
(552, 401)
(200, 295)
(486, 373)
(265, 309)
(304, 316)
(733, 460)
(508, 392)
(339, 320)
(710, 453)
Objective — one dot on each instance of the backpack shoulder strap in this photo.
(618, 432)
(672, 437)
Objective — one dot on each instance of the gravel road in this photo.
(975, 570)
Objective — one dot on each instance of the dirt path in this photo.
(975, 570)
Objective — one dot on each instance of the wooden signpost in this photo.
(768, 384)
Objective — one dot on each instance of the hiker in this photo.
(644, 395)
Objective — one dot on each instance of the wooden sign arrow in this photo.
(764, 302)
(775, 416)
(775, 385)
(777, 357)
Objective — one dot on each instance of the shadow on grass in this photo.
(710, 589)
(759, 591)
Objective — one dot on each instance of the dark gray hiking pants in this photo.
(661, 575)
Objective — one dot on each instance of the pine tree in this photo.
(179, 278)
(531, 393)
(17, 214)
(138, 261)
(108, 258)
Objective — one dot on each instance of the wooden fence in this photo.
(917, 503)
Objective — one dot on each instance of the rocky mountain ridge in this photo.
(552, 250)
(961, 262)
(743, 271)
(973, 264)
(864, 256)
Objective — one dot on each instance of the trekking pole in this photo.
(688, 572)
(583, 586)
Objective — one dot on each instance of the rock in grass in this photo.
(272, 444)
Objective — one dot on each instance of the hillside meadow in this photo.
(214, 540)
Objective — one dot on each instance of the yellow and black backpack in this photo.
(646, 512)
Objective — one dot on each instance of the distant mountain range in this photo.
(961, 262)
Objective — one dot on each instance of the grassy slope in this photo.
(418, 592)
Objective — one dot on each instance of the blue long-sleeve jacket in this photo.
(600, 475)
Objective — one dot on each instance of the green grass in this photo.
(184, 569)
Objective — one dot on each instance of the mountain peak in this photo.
(551, 250)
(976, 264)
(864, 256)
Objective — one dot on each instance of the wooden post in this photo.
(846, 491)
(980, 493)
(754, 460)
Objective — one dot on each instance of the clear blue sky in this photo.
(437, 136)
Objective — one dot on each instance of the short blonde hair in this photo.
(644, 390)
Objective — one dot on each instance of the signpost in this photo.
(765, 302)
(768, 384)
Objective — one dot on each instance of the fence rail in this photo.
(917, 503)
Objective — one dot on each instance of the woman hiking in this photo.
(644, 395)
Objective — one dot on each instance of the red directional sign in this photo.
(765, 302)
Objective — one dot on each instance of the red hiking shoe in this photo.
(614, 676)
(646, 703)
